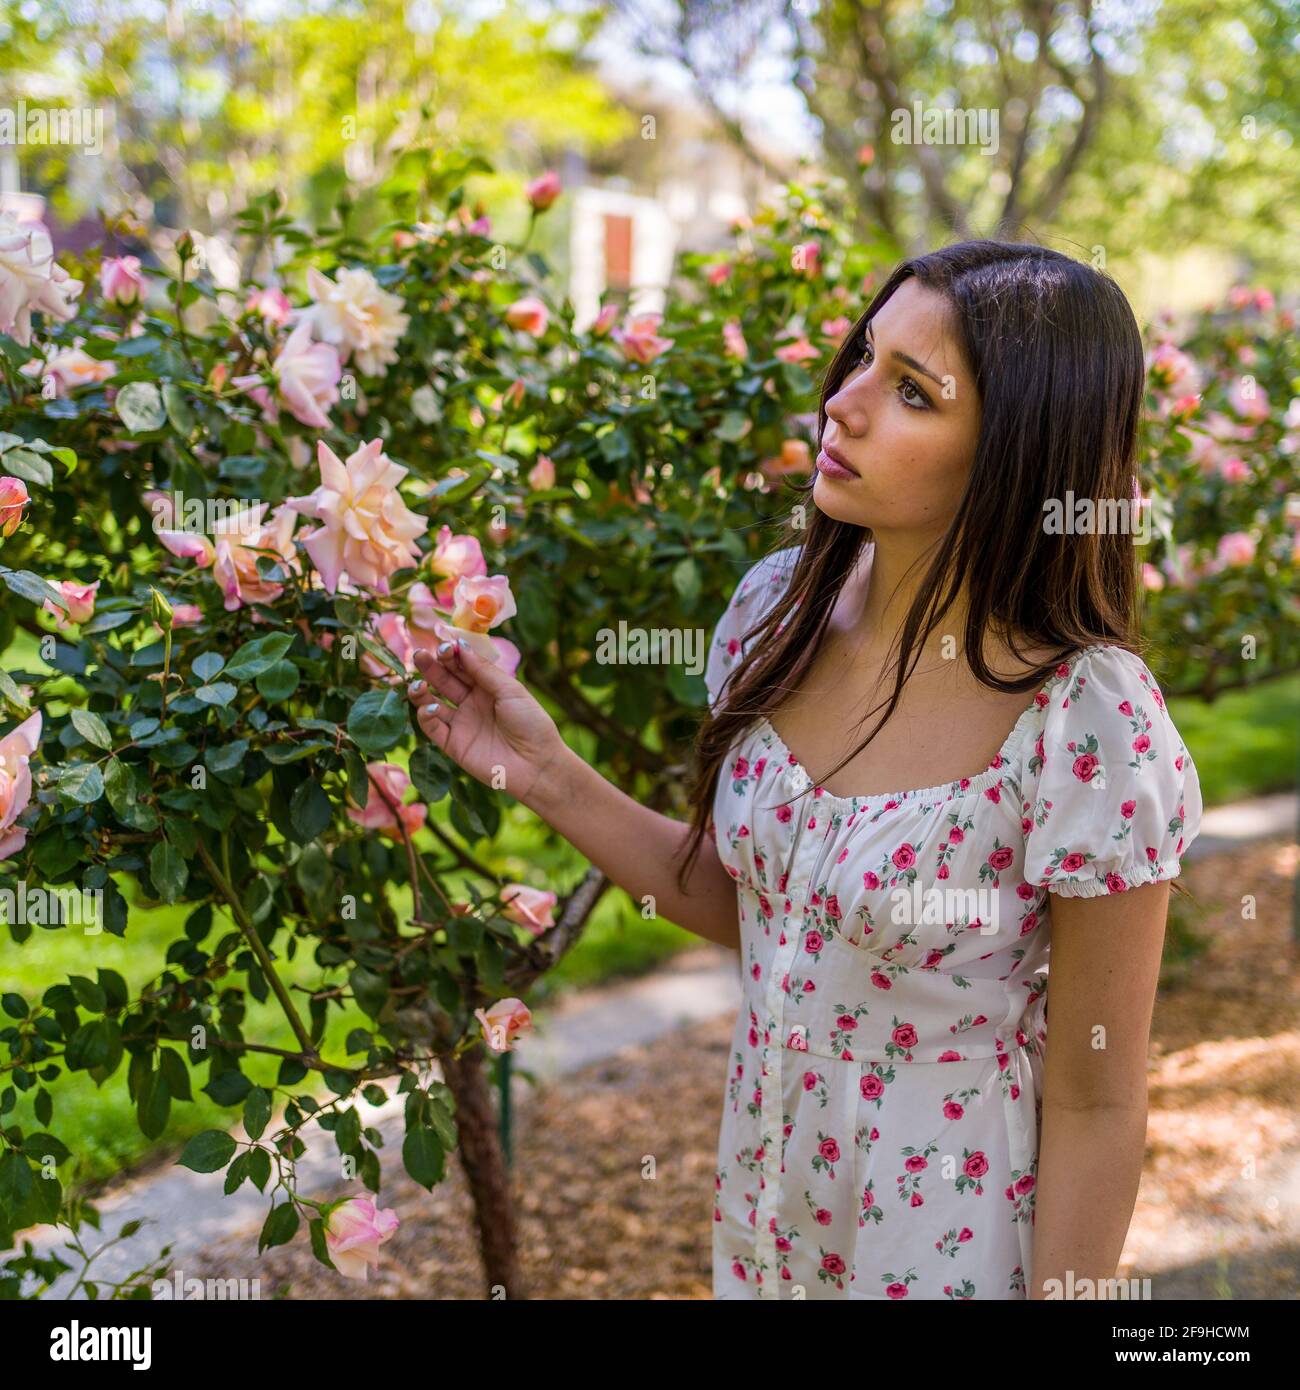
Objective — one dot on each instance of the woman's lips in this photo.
(833, 465)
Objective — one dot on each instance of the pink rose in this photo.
(904, 1035)
(640, 340)
(836, 329)
(718, 274)
(273, 305)
(530, 907)
(1073, 862)
(120, 281)
(800, 350)
(80, 600)
(604, 321)
(976, 1165)
(186, 614)
(871, 1086)
(1001, 858)
(904, 857)
(543, 191)
(454, 558)
(17, 748)
(529, 315)
(733, 340)
(367, 531)
(384, 810)
(541, 475)
(354, 1231)
(829, 1150)
(479, 603)
(814, 942)
(1235, 548)
(501, 1024)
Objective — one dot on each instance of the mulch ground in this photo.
(595, 1224)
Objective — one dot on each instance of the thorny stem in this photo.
(259, 947)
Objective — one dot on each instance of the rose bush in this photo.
(230, 516)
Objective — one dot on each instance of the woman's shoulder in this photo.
(759, 588)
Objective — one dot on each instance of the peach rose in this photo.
(530, 907)
(16, 750)
(354, 1231)
(238, 543)
(30, 281)
(13, 498)
(69, 368)
(367, 531)
(542, 474)
(604, 320)
(356, 316)
(506, 1020)
(529, 315)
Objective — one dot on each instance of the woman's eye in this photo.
(912, 394)
(867, 353)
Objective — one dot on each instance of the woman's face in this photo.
(904, 422)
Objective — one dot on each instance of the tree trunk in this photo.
(483, 1159)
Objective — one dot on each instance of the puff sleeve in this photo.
(1111, 797)
(760, 587)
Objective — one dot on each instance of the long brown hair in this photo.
(1057, 359)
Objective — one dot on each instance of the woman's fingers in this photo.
(434, 720)
(435, 674)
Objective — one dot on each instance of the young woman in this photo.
(894, 1125)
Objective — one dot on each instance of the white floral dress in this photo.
(882, 1105)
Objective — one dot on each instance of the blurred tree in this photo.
(211, 104)
(1131, 126)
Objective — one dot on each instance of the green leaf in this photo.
(168, 870)
(228, 1087)
(207, 664)
(82, 783)
(422, 1154)
(179, 411)
(430, 773)
(31, 586)
(257, 1112)
(30, 467)
(280, 1228)
(140, 407)
(92, 728)
(153, 1106)
(208, 1151)
(734, 427)
(377, 721)
(686, 580)
(219, 694)
(310, 810)
(258, 655)
(278, 682)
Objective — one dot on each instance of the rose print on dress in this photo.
(974, 1166)
(897, 1286)
(971, 1071)
(952, 1240)
(827, 1155)
(832, 1268)
(915, 1162)
(1020, 1193)
(874, 1080)
(901, 1040)
(845, 1026)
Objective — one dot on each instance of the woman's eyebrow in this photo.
(907, 360)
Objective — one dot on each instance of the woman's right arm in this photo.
(489, 724)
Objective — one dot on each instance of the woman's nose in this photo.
(850, 406)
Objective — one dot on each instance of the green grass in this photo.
(1246, 743)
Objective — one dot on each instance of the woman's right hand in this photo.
(484, 720)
